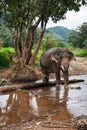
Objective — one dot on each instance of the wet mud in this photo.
(50, 103)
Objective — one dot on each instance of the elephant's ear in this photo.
(54, 59)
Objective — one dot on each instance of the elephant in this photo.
(54, 60)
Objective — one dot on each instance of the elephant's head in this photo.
(63, 59)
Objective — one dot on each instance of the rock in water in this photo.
(81, 122)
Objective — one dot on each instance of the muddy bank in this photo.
(79, 67)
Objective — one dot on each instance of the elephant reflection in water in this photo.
(62, 105)
(54, 60)
(53, 103)
(22, 105)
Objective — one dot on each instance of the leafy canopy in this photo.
(79, 37)
(23, 10)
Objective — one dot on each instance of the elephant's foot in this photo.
(57, 84)
(66, 86)
(45, 80)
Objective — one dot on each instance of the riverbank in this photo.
(79, 67)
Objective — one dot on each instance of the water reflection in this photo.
(21, 105)
(34, 105)
(57, 103)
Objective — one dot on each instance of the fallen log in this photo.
(36, 84)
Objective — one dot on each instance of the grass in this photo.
(80, 52)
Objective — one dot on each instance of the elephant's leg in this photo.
(66, 80)
(57, 75)
(56, 70)
(46, 76)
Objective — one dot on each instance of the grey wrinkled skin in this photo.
(54, 60)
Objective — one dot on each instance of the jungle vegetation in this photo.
(19, 22)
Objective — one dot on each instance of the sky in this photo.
(73, 19)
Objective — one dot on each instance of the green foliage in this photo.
(6, 37)
(70, 46)
(48, 43)
(62, 43)
(5, 33)
(80, 52)
(4, 58)
(79, 37)
(36, 37)
(8, 50)
(1, 42)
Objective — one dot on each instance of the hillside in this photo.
(59, 31)
(52, 34)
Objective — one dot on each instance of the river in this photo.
(47, 102)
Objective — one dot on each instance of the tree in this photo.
(26, 16)
(79, 37)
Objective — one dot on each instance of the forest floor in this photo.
(79, 67)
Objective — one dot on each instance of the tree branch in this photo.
(37, 23)
(33, 58)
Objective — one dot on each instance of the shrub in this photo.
(4, 60)
(4, 56)
(80, 52)
(70, 46)
(48, 43)
(8, 50)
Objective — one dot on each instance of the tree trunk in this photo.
(24, 47)
(33, 58)
(34, 85)
(29, 54)
(19, 46)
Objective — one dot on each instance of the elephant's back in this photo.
(45, 58)
(48, 52)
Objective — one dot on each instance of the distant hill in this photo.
(58, 32)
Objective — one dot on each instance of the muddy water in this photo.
(48, 102)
